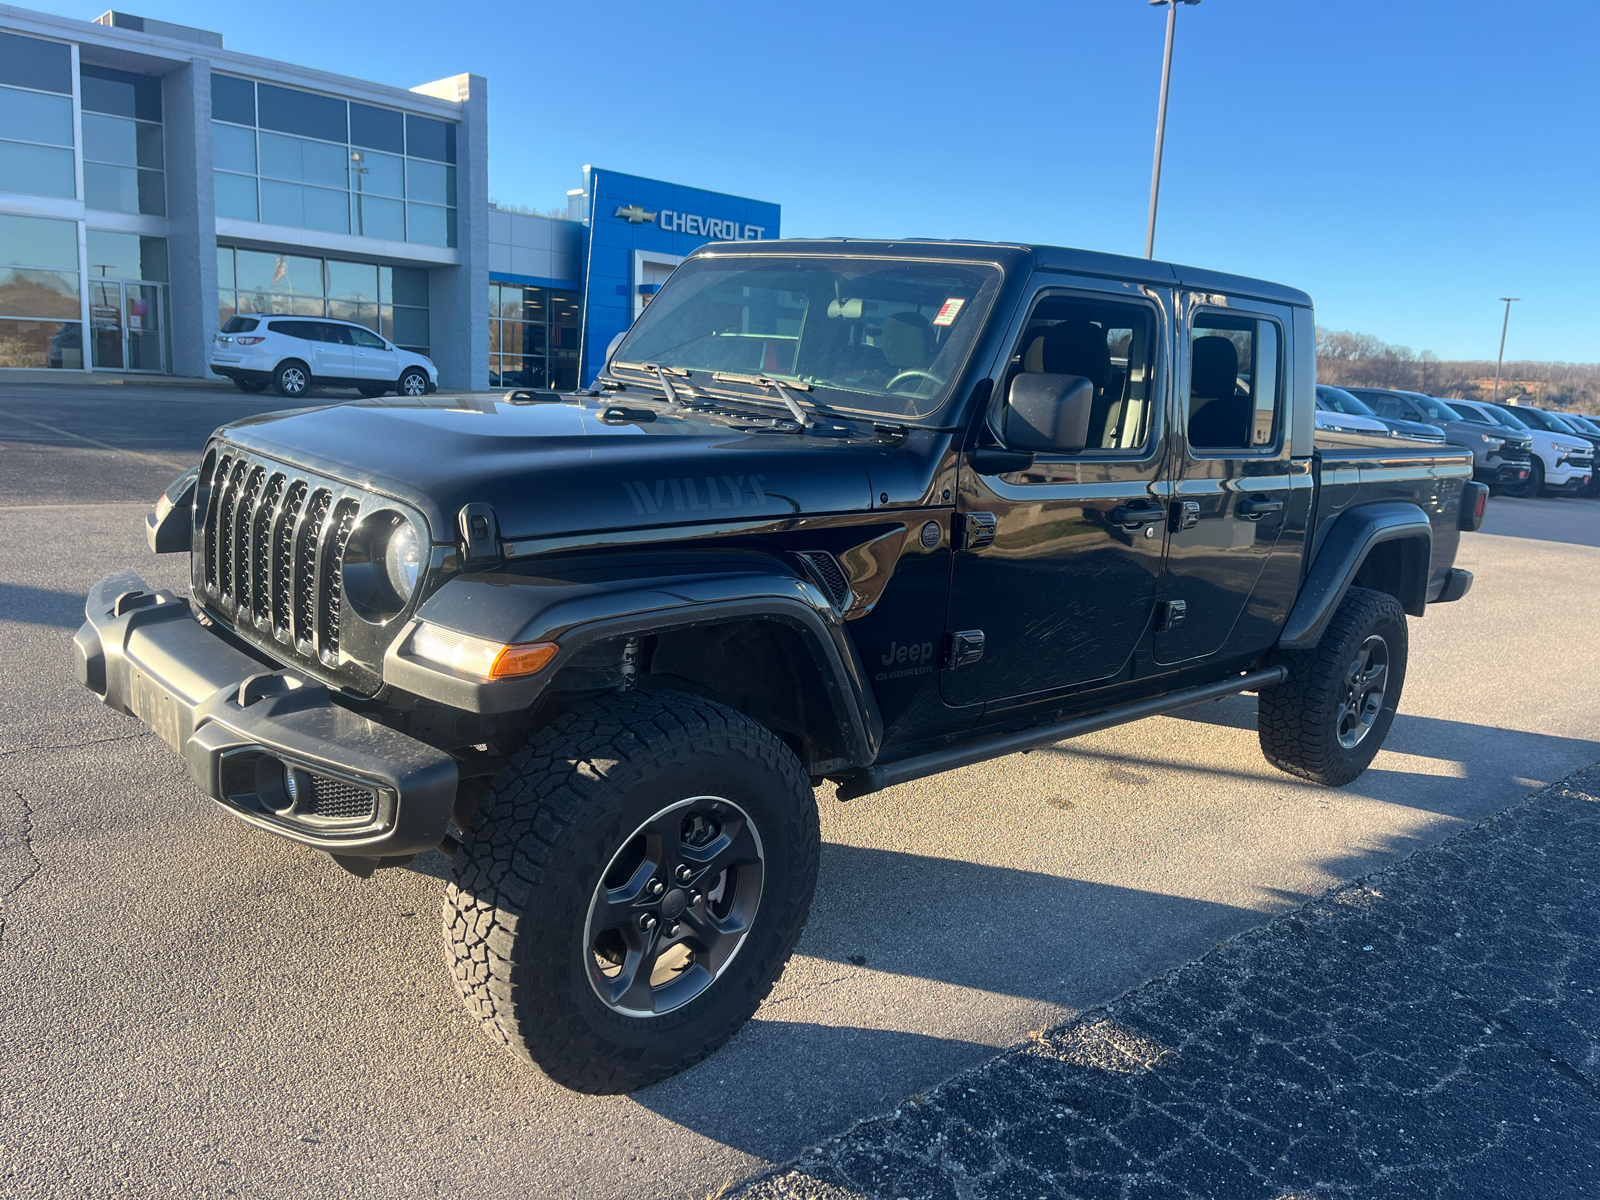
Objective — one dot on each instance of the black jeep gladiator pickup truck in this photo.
(835, 510)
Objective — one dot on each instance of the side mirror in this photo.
(1047, 413)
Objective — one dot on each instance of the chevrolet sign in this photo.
(676, 222)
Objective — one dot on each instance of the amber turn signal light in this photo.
(522, 660)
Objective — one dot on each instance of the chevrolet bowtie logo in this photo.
(634, 215)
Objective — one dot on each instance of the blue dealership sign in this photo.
(638, 230)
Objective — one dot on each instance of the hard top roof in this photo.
(1051, 258)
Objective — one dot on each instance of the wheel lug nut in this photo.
(656, 887)
(670, 929)
(684, 873)
(647, 921)
(695, 897)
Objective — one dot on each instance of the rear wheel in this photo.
(1328, 719)
(631, 888)
(250, 385)
(292, 379)
(413, 382)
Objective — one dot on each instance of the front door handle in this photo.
(1256, 507)
(1130, 517)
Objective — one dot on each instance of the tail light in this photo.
(249, 341)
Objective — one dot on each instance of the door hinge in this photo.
(964, 648)
(1185, 513)
(977, 530)
(1170, 614)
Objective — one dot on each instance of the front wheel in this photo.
(1535, 484)
(413, 383)
(1327, 720)
(631, 888)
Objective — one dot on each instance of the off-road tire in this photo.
(526, 870)
(1298, 718)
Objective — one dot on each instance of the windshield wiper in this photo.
(663, 376)
(763, 381)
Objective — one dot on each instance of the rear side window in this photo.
(1234, 369)
(240, 325)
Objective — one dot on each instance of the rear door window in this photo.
(306, 331)
(1234, 375)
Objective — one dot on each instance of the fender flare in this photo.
(505, 608)
(1344, 551)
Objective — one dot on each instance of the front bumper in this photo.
(272, 747)
(1502, 473)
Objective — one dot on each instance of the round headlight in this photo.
(402, 559)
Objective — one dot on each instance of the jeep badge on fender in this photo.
(601, 648)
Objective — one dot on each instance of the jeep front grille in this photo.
(273, 545)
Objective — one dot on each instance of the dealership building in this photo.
(154, 183)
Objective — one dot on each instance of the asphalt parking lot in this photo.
(194, 1008)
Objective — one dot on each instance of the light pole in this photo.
(1161, 121)
(1509, 301)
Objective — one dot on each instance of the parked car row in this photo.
(1517, 449)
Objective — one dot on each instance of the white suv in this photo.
(296, 354)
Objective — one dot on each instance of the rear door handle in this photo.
(1256, 507)
(1130, 517)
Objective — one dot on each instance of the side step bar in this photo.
(876, 778)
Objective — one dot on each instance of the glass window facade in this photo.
(36, 117)
(123, 157)
(40, 302)
(533, 337)
(392, 301)
(287, 157)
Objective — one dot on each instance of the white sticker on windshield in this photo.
(947, 314)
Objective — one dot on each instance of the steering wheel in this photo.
(908, 374)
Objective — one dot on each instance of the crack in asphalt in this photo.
(26, 829)
(30, 749)
(1424, 1032)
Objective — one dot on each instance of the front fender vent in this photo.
(829, 575)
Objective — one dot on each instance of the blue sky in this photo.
(1406, 163)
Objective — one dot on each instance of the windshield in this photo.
(882, 335)
(1580, 422)
(1534, 419)
(1340, 401)
(1437, 410)
(1502, 418)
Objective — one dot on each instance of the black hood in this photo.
(553, 468)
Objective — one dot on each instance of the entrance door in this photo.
(125, 325)
(1060, 565)
(141, 306)
(1234, 482)
(105, 324)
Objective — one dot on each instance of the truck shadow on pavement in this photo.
(41, 606)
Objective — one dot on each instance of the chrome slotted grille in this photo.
(271, 553)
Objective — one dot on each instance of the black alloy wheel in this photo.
(1327, 720)
(291, 379)
(1366, 681)
(674, 906)
(413, 382)
(631, 887)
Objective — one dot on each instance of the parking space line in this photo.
(78, 437)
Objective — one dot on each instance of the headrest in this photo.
(905, 340)
(1075, 347)
(1214, 367)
